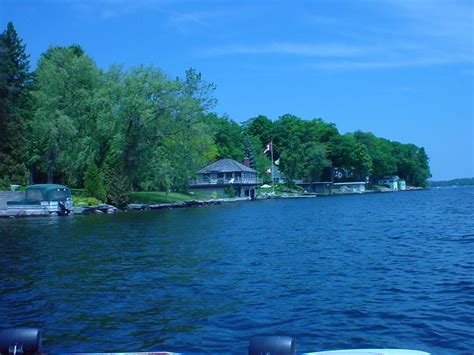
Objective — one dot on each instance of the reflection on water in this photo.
(384, 270)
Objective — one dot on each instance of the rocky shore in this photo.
(109, 209)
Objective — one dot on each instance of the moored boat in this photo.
(43, 199)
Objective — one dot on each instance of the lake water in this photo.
(378, 270)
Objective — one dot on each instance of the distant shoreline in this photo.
(452, 182)
(109, 209)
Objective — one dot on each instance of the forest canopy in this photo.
(69, 121)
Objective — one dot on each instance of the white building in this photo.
(390, 181)
(349, 187)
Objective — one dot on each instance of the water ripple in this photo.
(387, 270)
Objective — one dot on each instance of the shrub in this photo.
(230, 192)
(118, 184)
(4, 185)
(94, 183)
(85, 201)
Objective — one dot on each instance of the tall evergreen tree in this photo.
(15, 107)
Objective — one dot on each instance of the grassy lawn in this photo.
(149, 198)
(280, 189)
(155, 197)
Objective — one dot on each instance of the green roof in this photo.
(46, 187)
(47, 192)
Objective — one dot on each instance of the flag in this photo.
(268, 171)
(268, 148)
(277, 162)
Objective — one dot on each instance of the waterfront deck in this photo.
(225, 182)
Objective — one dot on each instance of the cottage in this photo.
(226, 177)
(278, 176)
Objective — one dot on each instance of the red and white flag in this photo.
(268, 148)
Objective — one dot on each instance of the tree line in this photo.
(453, 182)
(127, 129)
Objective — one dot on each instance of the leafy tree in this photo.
(64, 121)
(288, 142)
(302, 147)
(322, 132)
(314, 161)
(15, 107)
(339, 151)
(361, 162)
(160, 127)
(408, 161)
(412, 163)
(228, 137)
(423, 172)
(260, 127)
(381, 152)
(189, 142)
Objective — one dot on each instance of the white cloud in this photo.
(379, 64)
(404, 33)
(186, 21)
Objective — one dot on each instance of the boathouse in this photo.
(390, 181)
(322, 188)
(349, 187)
(226, 178)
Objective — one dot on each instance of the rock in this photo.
(78, 210)
(137, 206)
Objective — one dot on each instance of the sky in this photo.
(401, 69)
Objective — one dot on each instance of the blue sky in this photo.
(402, 69)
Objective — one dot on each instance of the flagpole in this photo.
(273, 180)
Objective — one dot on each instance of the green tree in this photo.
(412, 163)
(228, 137)
(381, 153)
(339, 151)
(288, 145)
(314, 160)
(94, 183)
(160, 129)
(64, 119)
(116, 181)
(260, 127)
(301, 146)
(361, 162)
(15, 107)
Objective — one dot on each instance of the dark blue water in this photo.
(381, 270)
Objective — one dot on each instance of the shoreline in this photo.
(109, 209)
